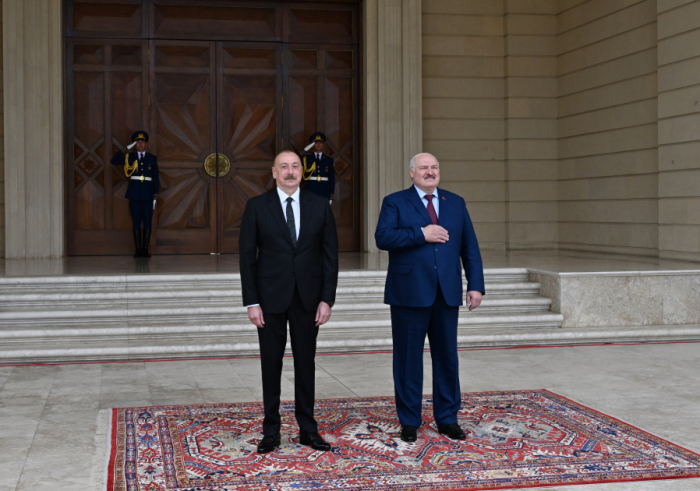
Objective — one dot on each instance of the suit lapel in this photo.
(305, 212)
(443, 213)
(418, 203)
(273, 201)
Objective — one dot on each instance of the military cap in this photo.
(317, 137)
(139, 135)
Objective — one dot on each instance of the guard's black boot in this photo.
(137, 242)
(144, 246)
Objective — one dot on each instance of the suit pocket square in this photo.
(400, 268)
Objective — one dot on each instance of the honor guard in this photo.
(141, 168)
(319, 173)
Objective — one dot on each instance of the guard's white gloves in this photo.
(308, 147)
(129, 147)
(154, 204)
(330, 201)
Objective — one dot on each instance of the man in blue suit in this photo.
(427, 231)
(141, 168)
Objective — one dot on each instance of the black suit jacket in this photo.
(271, 266)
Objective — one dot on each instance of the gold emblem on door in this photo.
(223, 161)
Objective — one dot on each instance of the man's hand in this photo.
(323, 313)
(473, 299)
(435, 233)
(255, 314)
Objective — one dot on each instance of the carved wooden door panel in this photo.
(322, 93)
(249, 129)
(107, 88)
(183, 117)
(232, 81)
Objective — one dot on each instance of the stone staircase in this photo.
(169, 316)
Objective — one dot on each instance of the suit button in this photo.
(436, 250)
(292, 274)
(435, 267)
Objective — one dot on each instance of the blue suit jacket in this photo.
(140, 190)
(416, 266)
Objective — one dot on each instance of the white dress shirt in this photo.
(436, 201)
(318, 156)
(295, 207)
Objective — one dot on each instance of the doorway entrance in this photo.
(221, 87)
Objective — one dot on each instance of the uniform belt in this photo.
(141, 178)
(318, 178)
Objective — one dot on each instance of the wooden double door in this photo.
(217, 110)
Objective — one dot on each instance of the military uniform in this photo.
(319, 173)
(142, 191)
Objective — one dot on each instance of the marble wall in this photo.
(464, 106)
(622, 299)
(679, 128)
(569, 123)
(607, 129)
(531, 124)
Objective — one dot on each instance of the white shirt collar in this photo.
(422, 193)
(283, 196)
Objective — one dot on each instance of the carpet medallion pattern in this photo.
(514, 439)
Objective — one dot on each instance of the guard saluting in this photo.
(319, 173)
(141, 168)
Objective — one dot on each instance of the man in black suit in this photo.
(289, 273)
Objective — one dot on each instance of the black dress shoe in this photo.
(315, 441)
(453, 431)
(268, 443)
(409, 434)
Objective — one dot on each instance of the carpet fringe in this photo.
(101, 454)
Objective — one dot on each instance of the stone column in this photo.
(34, 151)
(392, 103)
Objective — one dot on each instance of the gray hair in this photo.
(412, 163)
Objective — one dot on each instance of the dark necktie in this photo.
(291, 225)
(431, 209)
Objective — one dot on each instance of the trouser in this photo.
(409, 326)
(273, 339)
(141, 211)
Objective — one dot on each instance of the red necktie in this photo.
(431, 210)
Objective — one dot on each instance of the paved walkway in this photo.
(49, 414)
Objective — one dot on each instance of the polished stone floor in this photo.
(49, 414)
(555, 261)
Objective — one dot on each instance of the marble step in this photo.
(212, 281)
(187, 297)
(169, 316)
(223, 311)
(346, 327)
(194, 348)
(337, 330)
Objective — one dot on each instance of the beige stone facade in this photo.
(571, 124)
